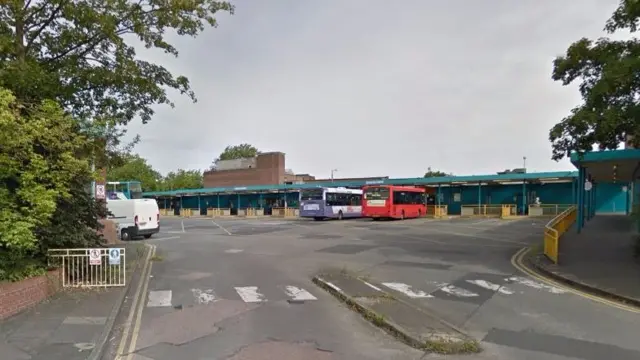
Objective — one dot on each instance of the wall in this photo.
(269, 170)
(610, 199)
(19, 296)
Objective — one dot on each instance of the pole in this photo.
(524, 187)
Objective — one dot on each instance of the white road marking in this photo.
(182, 223)
(221, 227)
(536, 285)
(298, 293)
(160, 298)
(203, 296)
(331, 285)
(233, 251)
(165, 238)
(491, 286)
(456, 291)
(372, 286)
(406, 289)
(250, 294)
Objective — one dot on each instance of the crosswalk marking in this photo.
(297, 293)
(250, 294)
(203, 296)
(406, 289)
(535, 284)
(457, 291)
(159, 298)
(491, 286)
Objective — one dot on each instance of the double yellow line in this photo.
(516, 261)
(132, 325)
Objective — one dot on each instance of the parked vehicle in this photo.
(135, 218)
(331, 203)
(394, 202)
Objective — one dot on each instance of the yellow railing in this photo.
(166, 212)
(548, 209)
(189, 212)
(284, 212)
(215, 212)
(437, 211)
(487, 210)
(554, 230)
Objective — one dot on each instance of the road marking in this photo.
(221, 227)
(298, 293)
(491, 286)
(84, 320)
(331, 285)
(136, 328)
(457, 291)
(372, 286)
(516, 261)
(182, 223)
(536, 285)
(233, 251)
(165, 238)
(250, 294)
(159, 298)
(203, 297)
(406, 289)
(136, 299)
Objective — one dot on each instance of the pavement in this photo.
(241, 289)
(600, 259)
(73, 324)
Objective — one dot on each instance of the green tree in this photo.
(609, 85)
(135, 167)
(232, 152)
(39, 166)
(77, 53)
(435, 173)
(182, 179)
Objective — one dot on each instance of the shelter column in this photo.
(581, 179)
(524, 197)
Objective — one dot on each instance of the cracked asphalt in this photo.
(249, 296)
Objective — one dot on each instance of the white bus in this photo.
(331, 203)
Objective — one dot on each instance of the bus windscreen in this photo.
(376, 193)
(312, 194)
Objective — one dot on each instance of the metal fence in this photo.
(554, 230)
(97, 267)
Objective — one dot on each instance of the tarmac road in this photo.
(241, 289)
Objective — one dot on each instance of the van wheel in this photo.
(402, 215)
(340, 215)
(125, 235)
(148, 236)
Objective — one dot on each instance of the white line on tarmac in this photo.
(491, 286)
(165, 238)
(406, 289)
(298, 293)
(221, 227)
(250, 294)
(182, 222)
(372, 286)
(456, 291)
(160, 298)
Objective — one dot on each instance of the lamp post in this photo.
(524, 186)
(333, 171)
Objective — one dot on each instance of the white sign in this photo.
(100, 191)
(625, 189)
(588, 186)
(94, 257)
(114, 257)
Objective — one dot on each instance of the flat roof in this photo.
(605, 155)
(429, 181)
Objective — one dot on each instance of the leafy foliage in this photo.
(39, 169)
(183, 179)
(136, 168)
(76, 52)
(435, 173)
(610, 88)
(240, 151)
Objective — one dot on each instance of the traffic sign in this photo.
(94, 257)
(114, 257)
(100, 191)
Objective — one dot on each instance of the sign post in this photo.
(94, 257)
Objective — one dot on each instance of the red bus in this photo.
(395, 202)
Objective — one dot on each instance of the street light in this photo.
(333, 171)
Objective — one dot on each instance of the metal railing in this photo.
(284, 212)
(91, 267)
(437, 211)
(488, 210)
(548, 209)
(554, 230)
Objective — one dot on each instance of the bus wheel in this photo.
(340, 215)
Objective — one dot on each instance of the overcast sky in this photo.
(376, 88)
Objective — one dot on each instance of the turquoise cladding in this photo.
(610, 197)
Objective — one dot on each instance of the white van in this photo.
(135, 218)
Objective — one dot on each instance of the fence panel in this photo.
(91, 267)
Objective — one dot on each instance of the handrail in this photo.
(554, 230)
